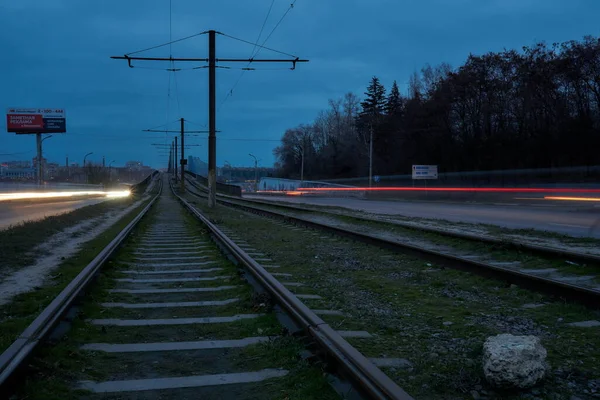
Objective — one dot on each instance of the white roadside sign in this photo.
(424, 171)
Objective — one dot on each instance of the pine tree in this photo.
(374, 104)
(394, 101)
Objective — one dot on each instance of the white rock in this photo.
(514, 361)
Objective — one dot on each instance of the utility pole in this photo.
(38, 139)
(371, 156)
(302, 165)
(84, 170)
(176, 158)
(212, 120)
(255, 172)
(212, 66)
(182, 159)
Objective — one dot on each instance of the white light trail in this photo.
(56, 195)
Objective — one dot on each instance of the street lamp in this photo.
(255, 172)
(110, 171)
(84, 157)
(39, 160)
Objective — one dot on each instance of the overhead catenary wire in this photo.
(167, 44)
(263, 24)
(257, 45)
(254, 54)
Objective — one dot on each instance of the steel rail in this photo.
(22, 348)
(588, 297)
(542, 250)
(368, 378)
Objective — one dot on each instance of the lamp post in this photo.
(255, 172)
(84, 157)
(40, 171)
(110, 170)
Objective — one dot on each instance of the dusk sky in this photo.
(55, 53)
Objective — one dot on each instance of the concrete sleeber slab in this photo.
(168, 236)
(174, 346)
(541, 271)
(391, 362)
(355, 334)
(328, 312)
(181, 382)
(174, 271)
(172, 304)
(160, 259)
(505, 263)
(170, 280)
(172, 253)
(170, 265)
(574, 279)
(292, 284)
(173, 321)
(271, 266)
(253, 254)
(171, 241)
(585, 324)
(281, 274)
(174, 290)
(532, 305)
(309, 296)
(173, 249)
(262, 259)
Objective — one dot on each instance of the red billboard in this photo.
(36, 120)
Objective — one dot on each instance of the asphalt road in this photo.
(12, 213)
(567, 219)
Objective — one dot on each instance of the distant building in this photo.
(18, 164)
(134, 165)
(17, 173)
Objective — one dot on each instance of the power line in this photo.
(257, 45)
(168, 43)
(277, 24)
(15, 154)
(263, 25)
(230, 92)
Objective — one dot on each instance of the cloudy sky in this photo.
(56, 54)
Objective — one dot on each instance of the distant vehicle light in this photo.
(572, 198)
(450, 189)
(57, 195)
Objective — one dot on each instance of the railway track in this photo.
(576, 288)
(171, 317)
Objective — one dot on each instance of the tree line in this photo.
(534, 108)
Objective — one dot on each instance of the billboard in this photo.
(36, 120)
(424, 171)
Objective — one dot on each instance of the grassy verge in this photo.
(24, 308)
(436, 318)
(58, 368)
(18, 244)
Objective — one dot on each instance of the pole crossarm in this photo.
(156, 130)
(294, 61)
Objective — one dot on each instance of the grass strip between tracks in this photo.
(436, 318)
(58, 367)
(457, 246)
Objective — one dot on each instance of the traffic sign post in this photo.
(424, 171)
